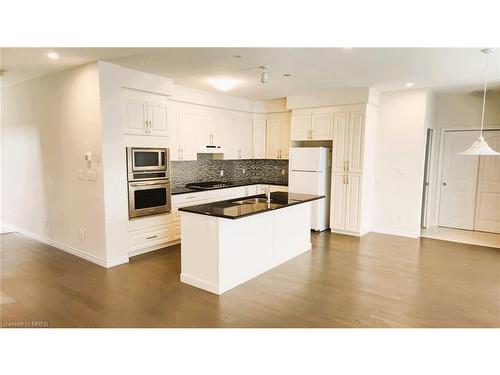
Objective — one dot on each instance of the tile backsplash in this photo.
(258, 170)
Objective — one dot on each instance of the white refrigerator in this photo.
(309, 173)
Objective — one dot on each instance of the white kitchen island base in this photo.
(218, 254)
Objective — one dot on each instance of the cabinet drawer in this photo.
(182, 199)
(143, 238)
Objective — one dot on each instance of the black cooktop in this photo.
(208, 185)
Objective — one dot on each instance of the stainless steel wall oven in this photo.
(148, 181)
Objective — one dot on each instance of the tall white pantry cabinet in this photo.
(353, 134)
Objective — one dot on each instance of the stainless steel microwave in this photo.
(148, 197)
(145, 163)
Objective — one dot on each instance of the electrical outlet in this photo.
(283, 172)
(82, 234)
(81, 174)
(91, 176)
(221, 173)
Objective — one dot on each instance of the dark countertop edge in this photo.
(186, 190)
(186, 209)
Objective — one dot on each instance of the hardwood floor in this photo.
(375, 281)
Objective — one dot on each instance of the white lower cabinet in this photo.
(345, 204)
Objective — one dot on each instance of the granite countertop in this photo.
(229, 209)
(183, 190)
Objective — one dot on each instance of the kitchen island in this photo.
(227, 243)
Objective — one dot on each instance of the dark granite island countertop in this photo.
(243, 207)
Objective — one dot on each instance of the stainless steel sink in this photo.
(251, 201)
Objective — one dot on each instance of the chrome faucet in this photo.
(267, 191)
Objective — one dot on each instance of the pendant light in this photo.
(481, 147)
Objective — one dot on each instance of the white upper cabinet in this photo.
(259, 139)
(157, 117)
(321, 126)
(173, 134)
(273, 141)
(244, 126)
(278, 138)
(348, 138)
(145, 114)
(136, 116)
(284, 139)
(190, 124)
(356, 140)
(340, 141)
(301, 127)
(312, 127)
(239, 138)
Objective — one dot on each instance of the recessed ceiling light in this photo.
(223, 84)
(409, 84)
(236, 56)
(53, 55)
(287, 75)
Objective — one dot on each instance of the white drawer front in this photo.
(143, 238)
(181, 199)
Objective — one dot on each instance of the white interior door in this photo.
(458, 182)
(487, 217)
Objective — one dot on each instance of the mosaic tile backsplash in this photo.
(184, 172)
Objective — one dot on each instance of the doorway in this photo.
(470, 185)
(427, 173)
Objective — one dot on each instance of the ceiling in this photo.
(311, 69)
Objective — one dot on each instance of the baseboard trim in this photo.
(347, 233)
(200, 283)
(61, 246)
(116, 261)
(396, 232)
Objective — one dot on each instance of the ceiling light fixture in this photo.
(409, 84)
(223, 84)
(264, 77)
(53, 55)
(481, 147)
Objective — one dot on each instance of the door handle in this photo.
(444, 183)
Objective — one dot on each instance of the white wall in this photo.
(334, 97)
(400, 151)
(47, 125)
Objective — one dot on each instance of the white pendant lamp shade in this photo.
(481, 147)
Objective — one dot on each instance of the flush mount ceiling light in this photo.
(264, 77)
(53, 55)
(409, 84)
(481, 147)
(223, 84)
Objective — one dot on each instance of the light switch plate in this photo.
(91, 176)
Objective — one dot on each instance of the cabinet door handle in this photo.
(346, 179)
(347, 165)
(151, 237)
